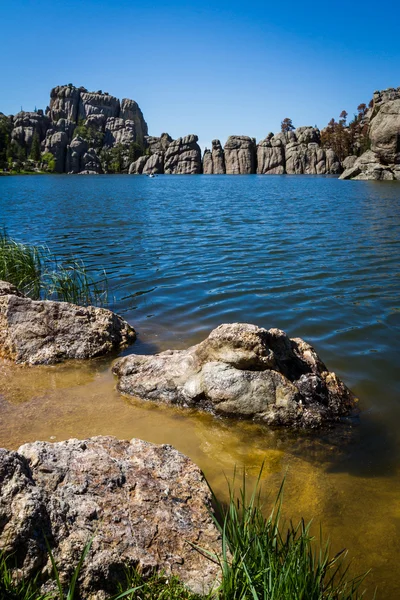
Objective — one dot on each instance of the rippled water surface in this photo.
(315, 256)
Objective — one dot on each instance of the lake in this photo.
(314, 256)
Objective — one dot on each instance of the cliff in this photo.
(94, 132)
(84, 131)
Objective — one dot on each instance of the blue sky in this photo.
(210, 68)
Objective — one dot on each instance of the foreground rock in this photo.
(143, 505)
(46, 332)
(244, 371)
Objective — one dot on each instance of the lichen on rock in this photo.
(143, 506)
(244, 371)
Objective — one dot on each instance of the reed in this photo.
(262, 559)
(22, 265)
(40, 275)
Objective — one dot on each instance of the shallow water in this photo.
(315, 256)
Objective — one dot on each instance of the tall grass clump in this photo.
(21, 265)
(262, 559)
(40, 275)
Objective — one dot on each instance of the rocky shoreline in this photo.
(93, 132)
(140, 505)
(240, 370)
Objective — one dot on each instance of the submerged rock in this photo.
(46, 332)
(143, 505)
(244, 371)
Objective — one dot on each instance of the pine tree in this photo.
(35, 153)
(287, 125)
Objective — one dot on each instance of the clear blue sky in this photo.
(211, 68)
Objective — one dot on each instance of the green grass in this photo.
(261, 559)
(39, 274)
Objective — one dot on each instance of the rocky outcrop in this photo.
(119, 131)
(155, 164)
(349, 161)
(64, 103)
(45, 332)
(244, 371)
(97, 103)
(25, 124)
(207, 162)
(130, 111)
(143, 506)
(120, 124)
(158, 144)
(214, 160)
(333, 166)
(183, 156)
(136, 167)
(382, 161)
(297, 152)
(75, 153)
(384, 133)
(368, 167)
(56, 143)
(91, 162)
(240, 155)
(271, 157)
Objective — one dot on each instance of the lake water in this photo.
(315, 256)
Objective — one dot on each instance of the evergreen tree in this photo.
(35, 148)
(287, 125)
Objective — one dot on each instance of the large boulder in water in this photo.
(143, 505)
(45, 332)
(244, 371)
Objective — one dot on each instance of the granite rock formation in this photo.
(117, 141)
(297, 152)
(244, 371)
(64, 103)
(155, 164)
(143, 505)
(136, 168)
(75, 152)
(56, 143)
(382, 161)
(214, 160)
(45, 332)
(183, 156)
(240, 155)
(117, 124)
(158, 144)
(271, 156)
(25, 124)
